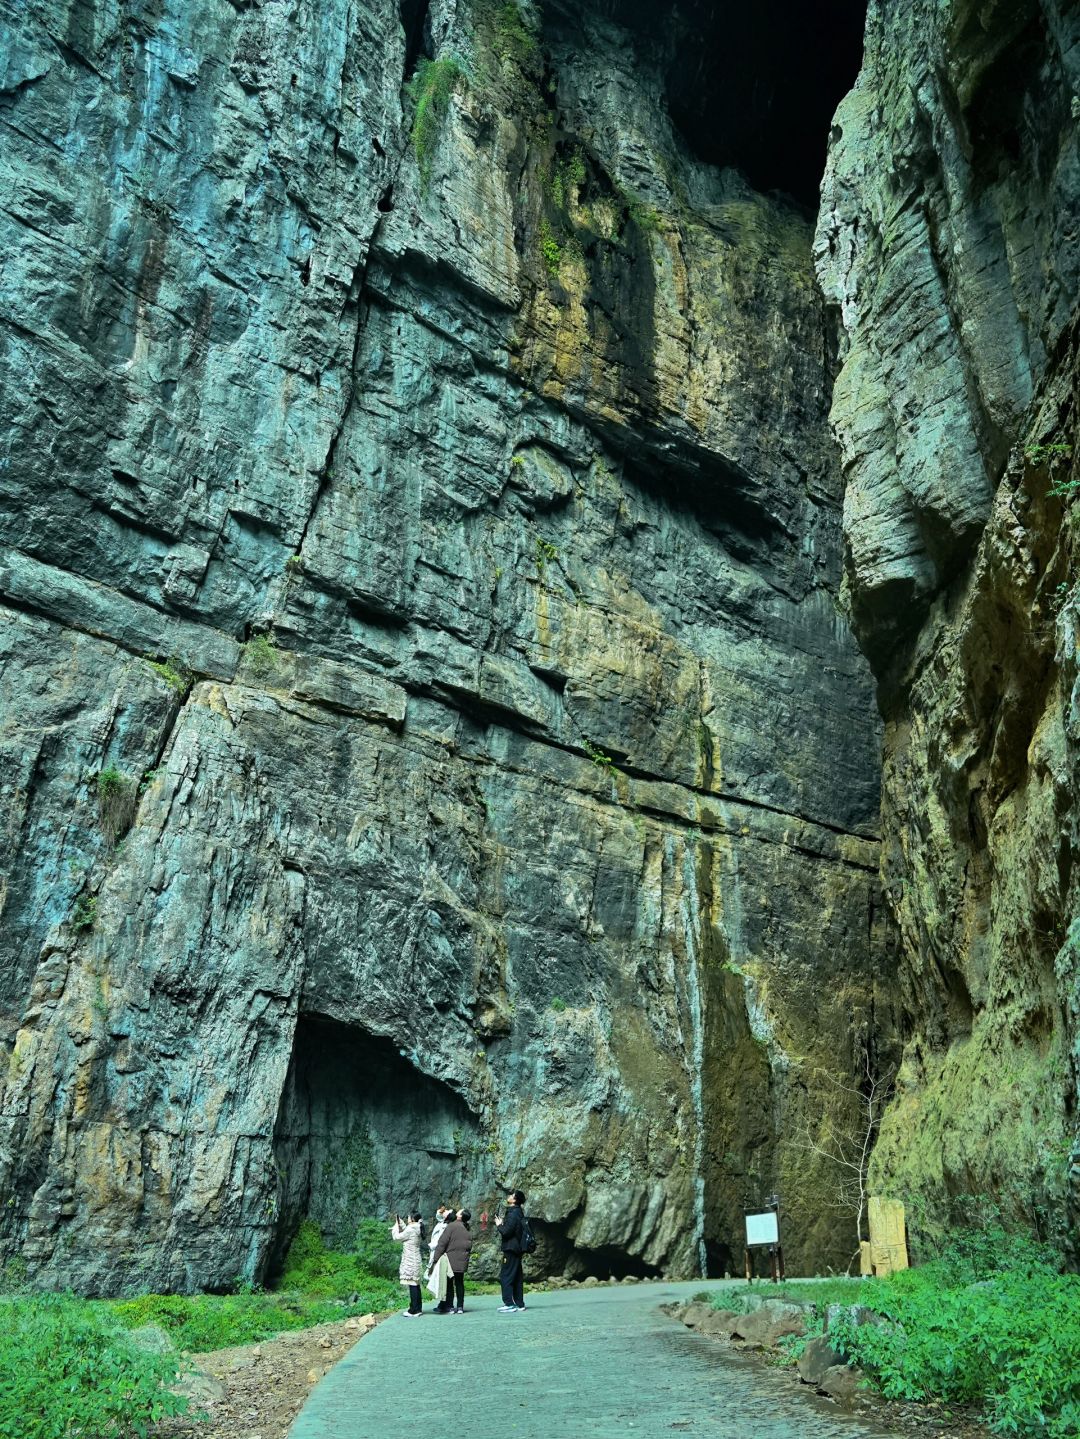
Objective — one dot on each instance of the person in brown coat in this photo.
(456, 1243)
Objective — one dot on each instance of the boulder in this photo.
(695, 1313)
(817, 1357)
(200, 1387)
(720, 1324)
(152, 1338)
(753, 1328)
(841, 1382)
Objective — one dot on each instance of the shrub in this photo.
(511, 37)
(598, 757)
(375, 1250)
(550, 249)
(991, 1323)
(84, 915)
(429, 93)
(116, 802)
(68, 1368)
(173, 672)
(261, 655)
(311, 1268)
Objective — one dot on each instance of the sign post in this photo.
(763, 1232)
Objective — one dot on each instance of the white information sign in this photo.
(762, 1229)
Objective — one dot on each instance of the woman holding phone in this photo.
(409, 1235)
(456, 1243)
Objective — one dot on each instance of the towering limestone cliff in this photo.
(432, 750)
(949, 245)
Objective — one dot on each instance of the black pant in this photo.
(512, 1281)
(416, 1304)
(455, 1287)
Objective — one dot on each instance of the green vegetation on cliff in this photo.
(429, 93)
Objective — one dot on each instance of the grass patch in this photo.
(991, 1324)
(201, 1322)
(313, 1269)
(261, 655)
(173, 672)
(67, 1368)
(820, 1292)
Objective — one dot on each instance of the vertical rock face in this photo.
(947, 242)
(432, 753)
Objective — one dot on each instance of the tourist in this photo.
(455, 1246)
(511, 1229)
(409, 1236)
(438, 1272)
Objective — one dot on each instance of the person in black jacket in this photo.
(511, 1228)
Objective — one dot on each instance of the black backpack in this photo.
(528, 1239)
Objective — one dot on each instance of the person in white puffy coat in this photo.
(409, 1235)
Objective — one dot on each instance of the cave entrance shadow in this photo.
(362, 1133)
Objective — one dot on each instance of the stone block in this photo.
(816, 1358)
(841, 1382)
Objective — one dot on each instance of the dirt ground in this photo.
(255, 1391)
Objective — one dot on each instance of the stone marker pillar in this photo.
(888, 1237)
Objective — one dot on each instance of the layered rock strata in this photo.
(432, 752)
(947, 244)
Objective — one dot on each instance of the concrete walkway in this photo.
(577, 1364)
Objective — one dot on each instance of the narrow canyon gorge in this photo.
(538, 623)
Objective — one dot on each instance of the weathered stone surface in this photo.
(816, 1359)
(694, 1314)
(720, 1324)
(947, 241)
(841, 1383)
(445, 556)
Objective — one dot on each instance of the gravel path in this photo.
(577, 1364)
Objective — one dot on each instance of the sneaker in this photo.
(459, 1311)
(506, 1309)
(412, 1313)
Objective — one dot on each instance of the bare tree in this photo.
(846, 1141)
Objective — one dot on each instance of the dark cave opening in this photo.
(556, 1253)
(754, 86)
(362, 1133)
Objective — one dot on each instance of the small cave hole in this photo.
(386, 200)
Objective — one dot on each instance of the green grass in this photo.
(67, 1368)
(261, 655)
(990, 1323)
(818, 1291)
(173, 672)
